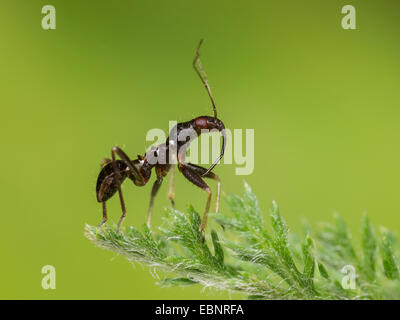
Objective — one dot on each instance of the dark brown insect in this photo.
(114, 172)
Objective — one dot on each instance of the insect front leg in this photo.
(190, 174)
(210, 175)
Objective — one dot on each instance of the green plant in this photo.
(260, 263)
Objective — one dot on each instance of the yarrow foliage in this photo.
(262, 263)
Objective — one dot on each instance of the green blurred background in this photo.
(324, 103)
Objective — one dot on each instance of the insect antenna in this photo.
(222, 151)
(203, 77)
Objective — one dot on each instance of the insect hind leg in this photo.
(104, 215)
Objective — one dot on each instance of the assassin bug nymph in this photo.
(114, 172)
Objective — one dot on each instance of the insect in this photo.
(114, 171)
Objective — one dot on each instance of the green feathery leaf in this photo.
(249, 259)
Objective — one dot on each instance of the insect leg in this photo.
(104, 215)
(104, 162)
(138, 176)
(154, 191)
(210, 175)
(171, 193)
(195, 178)
(118, 181)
